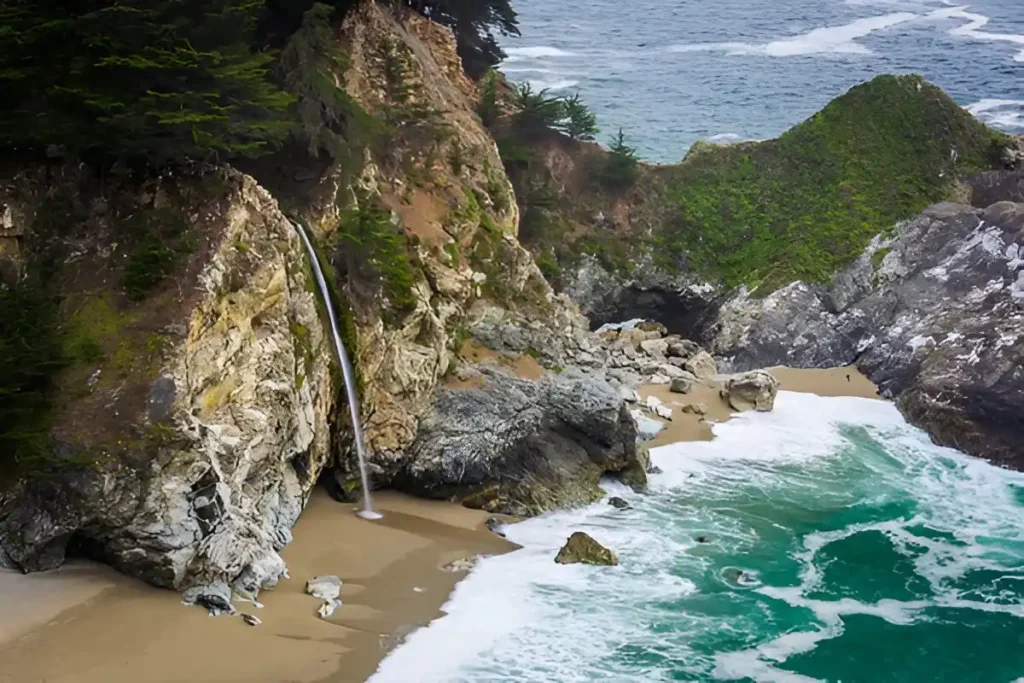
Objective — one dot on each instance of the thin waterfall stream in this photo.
(346, 367)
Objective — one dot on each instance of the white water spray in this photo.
(346, 367)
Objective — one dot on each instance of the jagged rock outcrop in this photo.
(583, 549)
(931, 314)
(521, 447)
(751, 391)
(191, 450)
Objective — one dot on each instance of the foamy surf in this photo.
(827, 40)
(819, 520)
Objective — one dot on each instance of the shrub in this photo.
(620, 166)
(579, 123)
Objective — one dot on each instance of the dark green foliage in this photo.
(536, 110)
(475, 23)
(327, 118)
(620, 167)
(579, 123)
(488, 107)
(801, 206)
(30, 357)
(374, 251)
(160, 240)
(149, 81)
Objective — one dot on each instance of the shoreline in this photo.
(111, 628)
(686, 426)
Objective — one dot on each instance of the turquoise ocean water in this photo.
(842, 545)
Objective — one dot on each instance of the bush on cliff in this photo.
(803, 205)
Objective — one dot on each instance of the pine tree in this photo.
(488, 108)
(537, 110)
(620, 169)
(147, 80)
(475, 23)
(579, 122)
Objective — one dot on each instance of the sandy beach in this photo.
(85, 623)
(842, 381)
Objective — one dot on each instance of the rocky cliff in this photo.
(193, 402)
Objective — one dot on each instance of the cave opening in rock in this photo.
(687, 314)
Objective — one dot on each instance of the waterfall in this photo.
(346, 367)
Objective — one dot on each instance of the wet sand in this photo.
(842, 381)
(87, 624)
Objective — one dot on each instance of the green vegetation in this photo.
(141, 80)
(879, 256)
(803, 205)
(327, 119)
(161, 239)
(488, 109)
(474, 23)
(374, 250)
(579, 122)
(536, 111)
(30, 357)
(620, 167)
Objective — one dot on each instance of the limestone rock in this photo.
(324, 587)
(700, 409)
(655, 347)
(753, 390)
(701, 365)
(681, 385)
(684, 348)
(521, 446)
(582, 549)
(938, 329)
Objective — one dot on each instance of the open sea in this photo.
(670, 72)
(842, 545)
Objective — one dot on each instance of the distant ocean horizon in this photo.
(670, 72)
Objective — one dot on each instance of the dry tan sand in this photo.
(116, 629)
(842, 381)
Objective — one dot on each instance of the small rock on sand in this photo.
(251, 620)
(324, 587)
(328, 607)
(696, 409)
(681, 385)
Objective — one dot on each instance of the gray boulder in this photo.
(522, 447)
(701, 365)
(751, 391)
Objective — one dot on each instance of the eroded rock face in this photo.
(583, 549)
(937, 324)
(751, 391)
(195, 485)
(519, 446)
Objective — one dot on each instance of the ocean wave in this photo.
(539, 84)
(972, 29)
(828, 40)
(537, 52)
(764, 494)
(1007, 114)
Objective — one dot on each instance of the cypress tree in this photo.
(475, 22)
(144, 80)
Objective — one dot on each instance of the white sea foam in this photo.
(562, 84)
(725, 137)
(538, 52)
(828, 40)
(1000, 113)
(972, 29)
(520, 618)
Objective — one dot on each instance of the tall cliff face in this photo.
(192, 418)
(199, 404)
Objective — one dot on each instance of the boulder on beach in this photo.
(582, 549)
(681, 385)
(324, 587)
(752, 390)
(702, 365)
